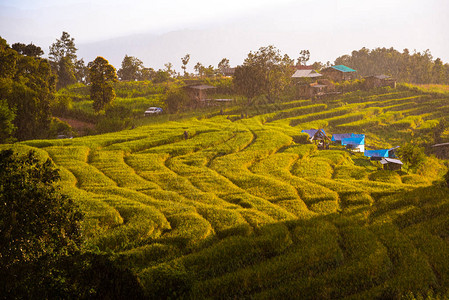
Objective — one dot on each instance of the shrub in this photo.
(446, 179)
(167, 281)
(412, 156)
(176, 99)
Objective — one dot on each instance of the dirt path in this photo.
(78, 126)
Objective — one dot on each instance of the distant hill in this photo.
(207, 47)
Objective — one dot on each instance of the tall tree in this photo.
(131, 68)
(28, 50)
(199, 68)
(265, 72)
(223, 65)
(102, 76)
(304, 56)
(185, 61)
(63, 58)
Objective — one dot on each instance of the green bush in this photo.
(167, 281)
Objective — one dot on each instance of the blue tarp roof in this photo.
(341, 136)
(377, 153)
(353, 141)
(312, 132)
(343, 68)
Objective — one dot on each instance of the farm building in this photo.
(391, 164)
(441, 150)
(199, 93)
(381, 153)
(318, 135)
(228, 72)
(379, 81)
(308, 86)
(353, 141)
(339, 73)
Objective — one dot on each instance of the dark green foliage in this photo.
(102, 76)
(131, 69)
(412, 155)
(36, 219)
(176, 99)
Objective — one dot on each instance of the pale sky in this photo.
(328, 28)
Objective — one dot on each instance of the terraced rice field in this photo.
(244, 208)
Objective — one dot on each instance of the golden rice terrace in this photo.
(247, 208)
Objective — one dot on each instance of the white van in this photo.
(153, 111)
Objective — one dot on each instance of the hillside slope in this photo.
(243, 209)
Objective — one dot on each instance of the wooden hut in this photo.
(199, 93)
(379, 81)
(339, 73)
(441, 150)
(391, 164)
(319, 137)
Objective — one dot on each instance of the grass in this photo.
(248, 208)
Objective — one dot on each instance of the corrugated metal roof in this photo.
(441, 145)
(376, 153)
(306, 74)
(387, 160)
(353, 141)
(343, 68)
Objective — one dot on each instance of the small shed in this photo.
(319, 137)
(199, 93)
(441, 150)
(391, 164)
(339, 73)
(375, 81)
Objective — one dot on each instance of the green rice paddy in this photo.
(245, 208)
